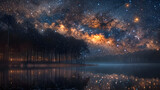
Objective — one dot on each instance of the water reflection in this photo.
(72, 78)
(56, 78)
(120, 82)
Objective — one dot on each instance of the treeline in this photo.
(22, 42)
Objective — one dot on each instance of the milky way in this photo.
(110, 27)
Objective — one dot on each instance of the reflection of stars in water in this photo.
(112, 81)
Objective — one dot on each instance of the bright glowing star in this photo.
(117, 45)
(127, 5)
(136, 19)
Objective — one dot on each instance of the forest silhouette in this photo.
(22, 42)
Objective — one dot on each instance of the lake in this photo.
(99, 77)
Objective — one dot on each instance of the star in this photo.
(136, 19)
(127, 5)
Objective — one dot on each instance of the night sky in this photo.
(109, 27)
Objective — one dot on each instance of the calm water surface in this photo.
(101, 77)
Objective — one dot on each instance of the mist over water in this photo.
(135, 69)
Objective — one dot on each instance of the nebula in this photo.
(108, 30)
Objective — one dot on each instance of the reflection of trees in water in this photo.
(59, 78)
(42, 79)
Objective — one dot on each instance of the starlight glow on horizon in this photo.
(109, 28)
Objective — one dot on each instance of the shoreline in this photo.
(57, 65)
